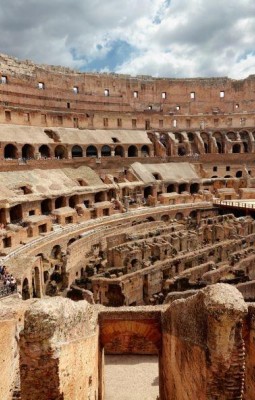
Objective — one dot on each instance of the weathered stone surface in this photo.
(59, 351)
(203, 349)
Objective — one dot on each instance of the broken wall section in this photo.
(59, 351)
(203, 353)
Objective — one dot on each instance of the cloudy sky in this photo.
(171, 38)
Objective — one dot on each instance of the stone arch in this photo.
(181, 151)
(91, 151)
(191, 136)
(193, 214)
(60, 152)
(231, 135)
(36, 283)
(220, 147)
(179, 216)
(246, 141)
(148, 192)
(60, 202)
(25, 289)
(28, 151)
(46, 206)
(165, 218)
(119, 151)
(10, 151)
(194, 188)
(56, 252)
(44, 150)
(77, 151)
(182, 187)
(106, 151)
(219, 142)
(171, 188)
(72, 240)
(99, 196)
(239, 174)
(150, 219)
(132, 151)
(121, 333)
(179, 137)
(73, 201)
(145, 151)
(16, 214)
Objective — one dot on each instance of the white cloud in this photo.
(181, 38)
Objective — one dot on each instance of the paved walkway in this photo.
(131, 378)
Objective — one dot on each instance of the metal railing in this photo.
(233, 203)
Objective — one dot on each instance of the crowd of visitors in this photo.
(7, 279)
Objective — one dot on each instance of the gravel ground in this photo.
(131, 377)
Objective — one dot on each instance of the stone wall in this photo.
(59, 351)
(202, 346)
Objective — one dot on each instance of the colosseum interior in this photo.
(127, 224)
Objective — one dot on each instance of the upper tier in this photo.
(57, 88)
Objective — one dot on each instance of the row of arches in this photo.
(61, 152)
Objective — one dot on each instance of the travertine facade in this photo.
(126, 192)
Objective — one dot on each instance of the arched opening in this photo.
(71, 241)
(181, 151)
(179, 137)
(220, 148)
(91, 151)
(46, 276)
(16, 214)
(135, 264)
(46, 206)
(193, 215)
(28, 151)
(236, 148)
(206, 147)
(191, 136)
(132, 151)
(171, 188)
(119, 151)
(106, 151)
(239, 174)
(245, 147)
(100, 196)
(60, 152)
(182, 188)
(73, 201)
(36, 283)
(179, 216)
(77, 151)
(165, 218)
(10, 151)
(25, 290)
(194, 188)
(56, 252)
(147, 192)
(145, 151)
(150, 219)
(227, 176)
(60, 202)
(44, 150)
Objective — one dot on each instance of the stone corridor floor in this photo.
(131, 377)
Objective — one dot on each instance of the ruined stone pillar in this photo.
(59, 351)
(202, 346)
(249, 338)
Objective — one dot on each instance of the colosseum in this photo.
(126, 228)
